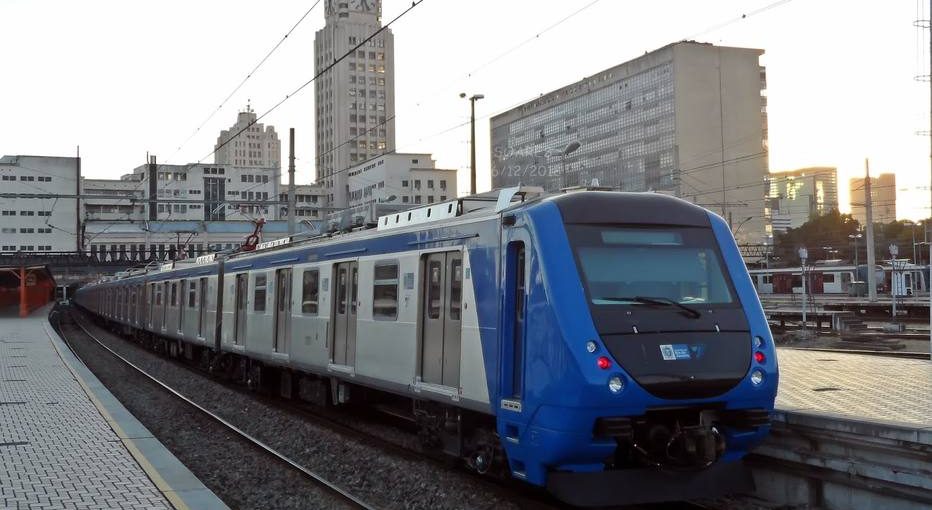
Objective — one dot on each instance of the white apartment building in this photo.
(98, 206)
(255, 146)
(406, 179)
(309, 199)
(48, 221)
(355, 100)
(210, 192)
(688, 119)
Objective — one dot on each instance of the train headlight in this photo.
(757, 377)
(616, 384)
(758, 342)
(591, 346)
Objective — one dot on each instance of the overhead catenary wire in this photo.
(245, 79)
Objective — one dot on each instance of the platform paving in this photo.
(65, 442)
(862, 387)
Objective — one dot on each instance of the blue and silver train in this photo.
(608, 346)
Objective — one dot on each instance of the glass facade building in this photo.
(687, 119)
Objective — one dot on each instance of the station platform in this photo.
(862, 387)
(849, 431)
(66, 442)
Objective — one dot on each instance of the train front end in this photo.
(645, 368)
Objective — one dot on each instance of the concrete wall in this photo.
(720, 133)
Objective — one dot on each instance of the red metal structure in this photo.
(253, 239)
(26, 288)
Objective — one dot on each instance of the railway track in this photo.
(889, 354)
(522, 497)
(332, 488)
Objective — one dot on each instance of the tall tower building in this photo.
(355, 100)
(256, 147)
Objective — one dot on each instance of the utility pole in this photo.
(153, 189)
(472, 143)
(79, 238)
(291, 190)
(871, 262)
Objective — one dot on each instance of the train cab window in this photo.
(828, 277)
(434, 292)
(456, 290)
(258, 304)
(385, 292)
(623, 265)
(310, 291)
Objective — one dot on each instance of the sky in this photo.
(122, 79)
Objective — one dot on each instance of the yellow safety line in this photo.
(160, 483)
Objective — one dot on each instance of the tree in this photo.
(826, 237)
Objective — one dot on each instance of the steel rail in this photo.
(318, 479)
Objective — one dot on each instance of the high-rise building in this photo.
(688, 119)
(883, 196)
(795, 196)
(254, 147)
(355, 100)
(39, 223)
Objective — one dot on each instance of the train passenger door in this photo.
(442, 318)
(282, 310)
(239, 322)
(346, 285)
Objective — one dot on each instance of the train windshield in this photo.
(650, 266)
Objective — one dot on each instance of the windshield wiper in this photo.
(659, 301)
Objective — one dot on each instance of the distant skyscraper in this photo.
(688, 119)
(355, 101)
(798, 195)
(883, 193)
(257, 147)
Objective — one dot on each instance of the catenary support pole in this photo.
(291, 189)
(871, 260)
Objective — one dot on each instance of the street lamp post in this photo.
(571, 148)
(803, 255)
(472, 144)
(855, 237)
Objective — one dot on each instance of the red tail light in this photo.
(604, 363)
(759, 357)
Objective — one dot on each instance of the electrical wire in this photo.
(243, 82)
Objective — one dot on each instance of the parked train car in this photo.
(609, 346)
(836, 279)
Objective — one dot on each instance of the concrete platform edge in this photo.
(172, 478)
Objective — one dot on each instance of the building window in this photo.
(417, 199)
(310, 294)
(258, 304)
(385, 292)
(443, 184)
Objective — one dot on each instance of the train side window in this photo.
(341, 298)
(158, 294)
(174, 294)
(433, 290)
(192, 294)
(259, 294)
(310, 293)
(456, 290)
(385, 291)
